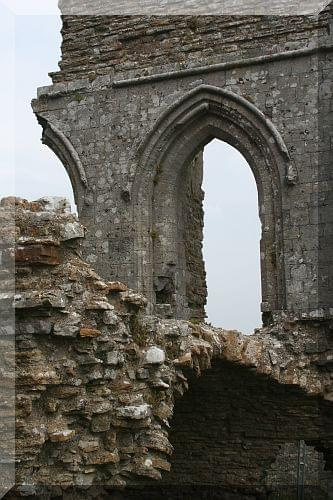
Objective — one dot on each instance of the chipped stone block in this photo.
(159, 463)
(114, 358)
(103, 457)
(159, 384)
(97, 305)
(38, 254)
(61, 436)
(101, 407)
(110, 374)
(94, 374)
(116, 286)
(90, 332)
(100, 423)
(37, 327)
(110, 318)
(86, 480)
(88, 359)
(134, 412)
(71, 231)
(27, 300)
(134, 299)
(69, 327)
(186, 359)
(65, 330)
(55, 203)
(154, 356)
(156, 440)
(89, 446)
(142, 374)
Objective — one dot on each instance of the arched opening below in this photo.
(234, 431)
(231, 242)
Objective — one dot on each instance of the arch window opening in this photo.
(231, 239)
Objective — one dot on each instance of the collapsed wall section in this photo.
(97, 378)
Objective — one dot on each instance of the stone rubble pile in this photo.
(97, 377)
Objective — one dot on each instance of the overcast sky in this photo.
(31, 46)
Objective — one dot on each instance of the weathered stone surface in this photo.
(38, 254)
(37, 327)
(28, 300)
(89, 446)
(134, 412)
(61, 436)
(89, 332)
(69, 325)
(54, 203)
(132, 104)
(106, 457)
(116, 381)
(114, 358)
(110, 318)
(116, 286)
(170, 84)
(154, 355)
(71, 231)
(134, 299)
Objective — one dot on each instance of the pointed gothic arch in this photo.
(165, 159)
(65, 151)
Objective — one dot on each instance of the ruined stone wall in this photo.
(108, 392)
(325, 191)
(106, 44)
(101, 386)
(189, 247)
(286, 471)
(138, 97)
(229, 428)
(192, 197)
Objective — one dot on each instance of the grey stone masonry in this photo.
(134, 103)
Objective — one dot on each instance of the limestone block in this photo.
(154, 356)
(71, 231)
(61, 435)
(114, 358)
(134, 412)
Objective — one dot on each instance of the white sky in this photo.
(30, 48)
(232, 234)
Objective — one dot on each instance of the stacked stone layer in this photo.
(99, 382)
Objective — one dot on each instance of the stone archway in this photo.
(231, 426)
(64, 150)
(165, 161)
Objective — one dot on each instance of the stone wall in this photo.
(137, 98)
(118, 388)
(105, 44)
(196, 289)
(231, 426)
(285, 473)
(105, 392)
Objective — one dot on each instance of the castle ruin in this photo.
(134, 103)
